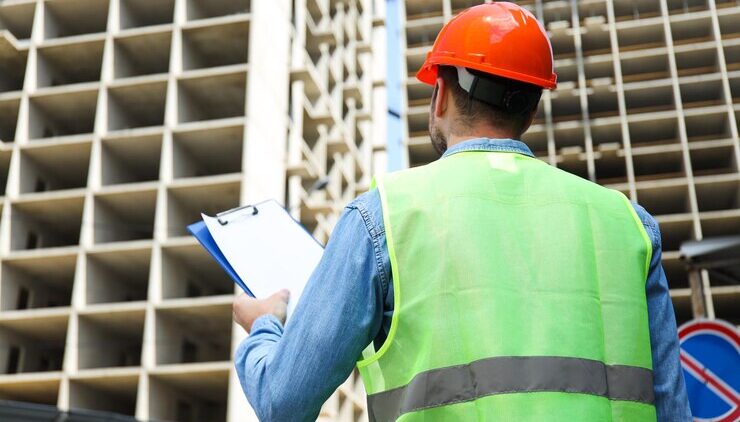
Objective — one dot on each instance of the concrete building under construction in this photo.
(647, 103)
(121, 121)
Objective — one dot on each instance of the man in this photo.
(489, 285)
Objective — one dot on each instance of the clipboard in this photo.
(200, 231)
(262, 248)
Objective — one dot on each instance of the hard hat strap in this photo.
(510, 97)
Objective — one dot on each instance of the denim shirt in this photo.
(287, 373)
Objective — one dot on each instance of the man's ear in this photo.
(440, 98)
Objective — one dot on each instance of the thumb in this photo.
(282, 296)
(279, 304)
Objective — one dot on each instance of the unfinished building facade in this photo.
(647, 103)
(121, 121)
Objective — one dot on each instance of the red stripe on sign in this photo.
(706, 376)
(710, 326)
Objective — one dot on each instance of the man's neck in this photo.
(453, 140)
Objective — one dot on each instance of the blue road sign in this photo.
(710, 357)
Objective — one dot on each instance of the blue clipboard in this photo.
(200, 231)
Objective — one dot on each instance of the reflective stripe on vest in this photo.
(513, 374)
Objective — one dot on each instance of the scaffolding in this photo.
(120, 122)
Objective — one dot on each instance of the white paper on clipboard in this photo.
(269, 250)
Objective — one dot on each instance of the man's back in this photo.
(531, 275)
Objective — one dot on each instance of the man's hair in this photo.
(474, 111)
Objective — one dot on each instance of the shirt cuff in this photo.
(266, 323)
(266, 330)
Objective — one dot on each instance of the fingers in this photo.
(242, 298)
(240, 310)
(247, 309)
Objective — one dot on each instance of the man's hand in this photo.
(248, 309)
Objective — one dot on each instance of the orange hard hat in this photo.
(501, 39)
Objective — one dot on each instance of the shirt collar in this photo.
(488, 144)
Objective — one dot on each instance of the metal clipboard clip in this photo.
(320, 184)
(222, 221)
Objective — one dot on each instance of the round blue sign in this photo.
(710, 357)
